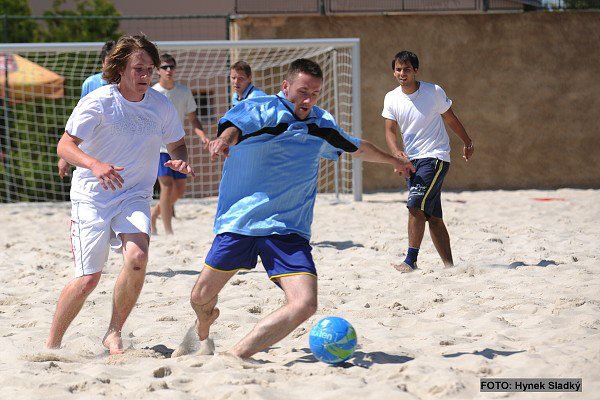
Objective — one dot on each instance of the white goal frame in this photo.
(351, 45)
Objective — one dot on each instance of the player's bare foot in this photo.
(404, 267)
(204, 321)
(52, 344)
(113, 342)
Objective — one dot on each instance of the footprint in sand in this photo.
(192, 345)
(47, 356)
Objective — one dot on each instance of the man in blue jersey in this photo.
(90, 84)
(240, 76)
(273, 146)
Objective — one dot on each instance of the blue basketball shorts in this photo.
(281, 255)
(425, 186)
(166, 171)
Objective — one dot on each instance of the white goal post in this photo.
(35, 112)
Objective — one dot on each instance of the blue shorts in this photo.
(166, 171)
(425, 186)
(281, 255)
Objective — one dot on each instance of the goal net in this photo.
(40, 84)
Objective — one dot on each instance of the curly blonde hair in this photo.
(116, 61)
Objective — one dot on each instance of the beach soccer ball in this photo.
(332, 340)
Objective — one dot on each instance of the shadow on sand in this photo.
(487, 353)
(338, 245)
(516, 264)
(358, 359)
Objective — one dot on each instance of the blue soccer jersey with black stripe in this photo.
(269, 181)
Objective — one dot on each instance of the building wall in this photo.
(524, 85)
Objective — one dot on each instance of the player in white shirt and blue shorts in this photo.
(113, 137)
(418, 110)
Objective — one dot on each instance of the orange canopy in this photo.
(28, 80)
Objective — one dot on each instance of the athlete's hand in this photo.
(468, 151)
(108, 175)
(180, 166)
(218, 147)
(403, 166)
(205, 142)
(63, 168)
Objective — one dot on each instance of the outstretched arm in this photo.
(198, 130)
(369, 152)
(220, 146)
(107, 174)
(454, 123)
(391, 137)
(179, 157)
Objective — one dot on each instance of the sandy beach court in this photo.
(522, 302)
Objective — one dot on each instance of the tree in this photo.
(17, 30)
(70, 28)
(582, 4)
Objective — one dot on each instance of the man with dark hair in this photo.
(95, 81)
(419, 110)
(172, 183)
(273, 146)
(240, 76)
(92, 83)
(113, 137)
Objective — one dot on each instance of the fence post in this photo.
(5, 102)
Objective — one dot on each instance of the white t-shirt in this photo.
(419, 117)
(181, 97)
(123, 133)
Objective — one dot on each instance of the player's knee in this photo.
(435, 221)
(87, 284)
(305, 308)
(137, 259)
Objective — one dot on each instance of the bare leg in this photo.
(301, 295)
(178, 189)
(441, 240)
(166, 202)
(416, 230)
(204, 299)
(416, 227)
(154, 213)
(70, 302)
(127, 288)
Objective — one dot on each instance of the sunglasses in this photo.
(165, 67)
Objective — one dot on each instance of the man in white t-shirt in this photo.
(172, 183)
(89, 85)
(113, 137)
(419, 109)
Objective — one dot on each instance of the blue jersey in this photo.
(269, 181)
(92, 83)
(251, 92)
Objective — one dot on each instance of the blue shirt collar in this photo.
(249, 89)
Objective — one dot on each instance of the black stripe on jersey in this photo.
(269, 130)
(333, 137)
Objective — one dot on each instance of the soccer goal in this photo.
(41, 84)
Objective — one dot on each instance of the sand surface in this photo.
(522, 302)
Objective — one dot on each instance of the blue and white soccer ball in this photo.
(332, 340)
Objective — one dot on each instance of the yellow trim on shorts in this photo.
(291, 274)
(432, 183)
(228, 270)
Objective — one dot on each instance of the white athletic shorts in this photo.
(95, 230)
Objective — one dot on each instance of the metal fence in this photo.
(333, 7)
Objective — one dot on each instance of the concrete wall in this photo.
(526, 86)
